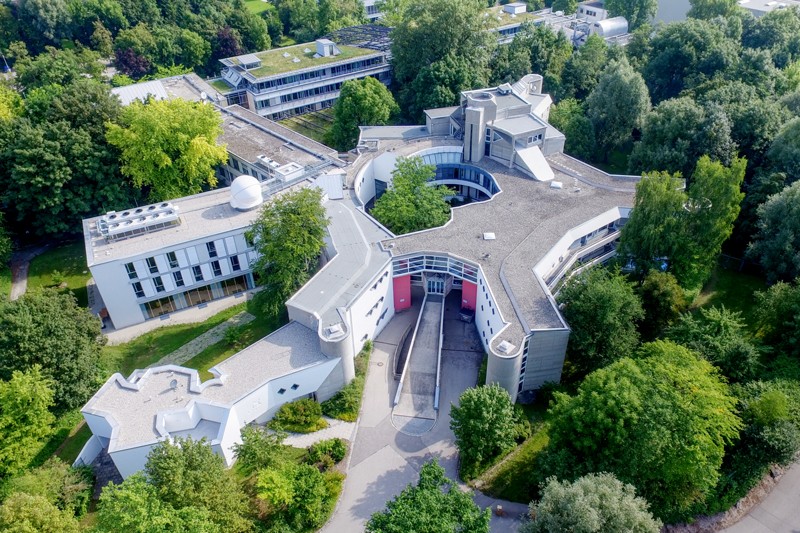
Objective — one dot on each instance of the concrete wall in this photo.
(402, 292)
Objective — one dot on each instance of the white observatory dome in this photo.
(246, 193)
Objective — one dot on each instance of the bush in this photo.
(346, 403)
(259, 449)
(335, 449)
(301, 416)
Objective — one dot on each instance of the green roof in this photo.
(221, 85)
(497, 17)
(273, 62)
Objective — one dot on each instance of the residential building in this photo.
(531, 217)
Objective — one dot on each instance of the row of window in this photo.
(314, 74)
(177, 277)
(195, 296)
(435, 263)
(172, 260)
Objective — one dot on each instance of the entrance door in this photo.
(435, 286)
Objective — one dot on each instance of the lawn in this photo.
(64, 266)
(256, 6)
(221, 85)
(733, 289)
(246, 335)
(150, 347)
(313, 125)
(5, 282)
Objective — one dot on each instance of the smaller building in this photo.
(592, 11)
(760, 8)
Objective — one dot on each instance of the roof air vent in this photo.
(505, 347)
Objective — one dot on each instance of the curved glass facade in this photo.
(467, 173)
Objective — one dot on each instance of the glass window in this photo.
(198, 296)
(173, 260)
(151, 264)
(159, 284)
(234, 285)
(216, 268)
(131, 270)
(178, 277)
(235, 266)
(198, 273)
(212, 249)
(160, 307)
(138, 290)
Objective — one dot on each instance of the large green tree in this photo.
(776, 244)
(778, 317)
(56, 67)
(549, 52)
(25, 419)
(434, 504)
(659, 421)
(427, 33)
(69, 489)
(289, 235)
(583, 68)
(295, 495)
(617, 105)
(602, 310)
(709, 9)
(365, 102)
(169, 146)
(784, 152)
(24, 513)
(594, 503)
(483, 424)
(636, 12)
(663, 301)
(568, 116)
(47, 328)
(412, 204)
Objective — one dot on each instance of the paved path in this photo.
(780, 510)
(383, 460)
(19, 264)
(200, 343)
(336, 428)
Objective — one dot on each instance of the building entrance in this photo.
(435, 286)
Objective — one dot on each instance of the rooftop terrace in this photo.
(282, 60)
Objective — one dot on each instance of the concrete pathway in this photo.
(384, 460)
(20, 264)
(780, 510)
(200, 343)
(336, 428)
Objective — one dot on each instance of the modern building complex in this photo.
(298, 79)
(529, 214)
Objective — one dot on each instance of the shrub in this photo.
(335, 449)
(259, 449)
(301, 416)
(346, 403)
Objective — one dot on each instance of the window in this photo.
(198, 273)
(178, 277)
(131, 271)
(235, 163)
(295, 386)
(281, 391)
(138, 290)
(173, 260)
(212, 249)
(235, 266)
(488, 135)
(159, 284)
(151, 264)
(216, 268)
(534, 138)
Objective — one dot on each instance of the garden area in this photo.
(63, 268)
(316, 126)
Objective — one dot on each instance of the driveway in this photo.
(384, 460)
(780, 510)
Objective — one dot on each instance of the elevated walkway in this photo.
(415, 408)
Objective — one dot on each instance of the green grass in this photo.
(315, 126)
(150, 347)
(65, 425)
(69, 450)
(247, 334)
(273, 62)
(70, 261)
(515, 477)
(5, 282)
(733, 289)
(255, 6)
(221, 85)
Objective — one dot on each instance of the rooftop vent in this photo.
(326, 48)
(295, 60)
(556, 185)
(131, 222)
(306, 50)
(334, 330)
(505, 347)
(504, 89)
(286, 54)
(489, 236)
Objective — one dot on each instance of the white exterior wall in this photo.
(379, 168)
(131, 460)
(366, 310)
(546, 350)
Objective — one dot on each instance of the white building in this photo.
(531, 213)
(760, 8)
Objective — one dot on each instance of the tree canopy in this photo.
(594, 503)
(169, 146)
(365, 102)
(636, 12)
(776, 244)
(24, 513)
(778, 317)
(434, 504)
(659, 421)
(412, 203)
(288, 236)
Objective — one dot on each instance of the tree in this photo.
(24, 418)
(365, 102)
(57, 67)
(569, 118)
(300, 19)
(510, 63)
(10, 104)
(289, 235)
(47, 328)
(776, 245)
(660, 422)
(134, 506)
(549, 52)
(23, 513)
(44, 21)
(567, 6)
(169, 146)
(709, 9)
(6, 246)
(67, 488)
(101, 40)
(428, 33)
(663, 301)
(259, 449)
(784, 152)
(412, 204)
(440, 84)
(636, 12)
(583, 68)
(336, 14)
(719, 335)
(252, 28)
(592, 503)
(188, 474)
(617, 105)
(295, 495)
(602, 310)
(434, 504)
(778, 317)
(483, 424)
